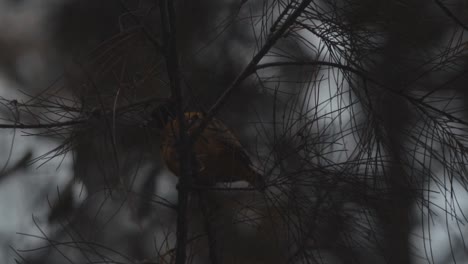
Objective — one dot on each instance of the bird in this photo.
(217, 153)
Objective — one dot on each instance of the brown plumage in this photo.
(218, 154)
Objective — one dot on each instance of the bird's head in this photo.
(166, 112)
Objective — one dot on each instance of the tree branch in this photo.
(51, 125)
(184, 148)
(83, 120)
(450, 14)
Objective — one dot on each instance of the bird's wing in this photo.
(228, 140)
(217, 133)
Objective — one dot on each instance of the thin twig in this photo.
(450, 14)
(251, 67)
(310, 63)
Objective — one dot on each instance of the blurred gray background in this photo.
(339, 134)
